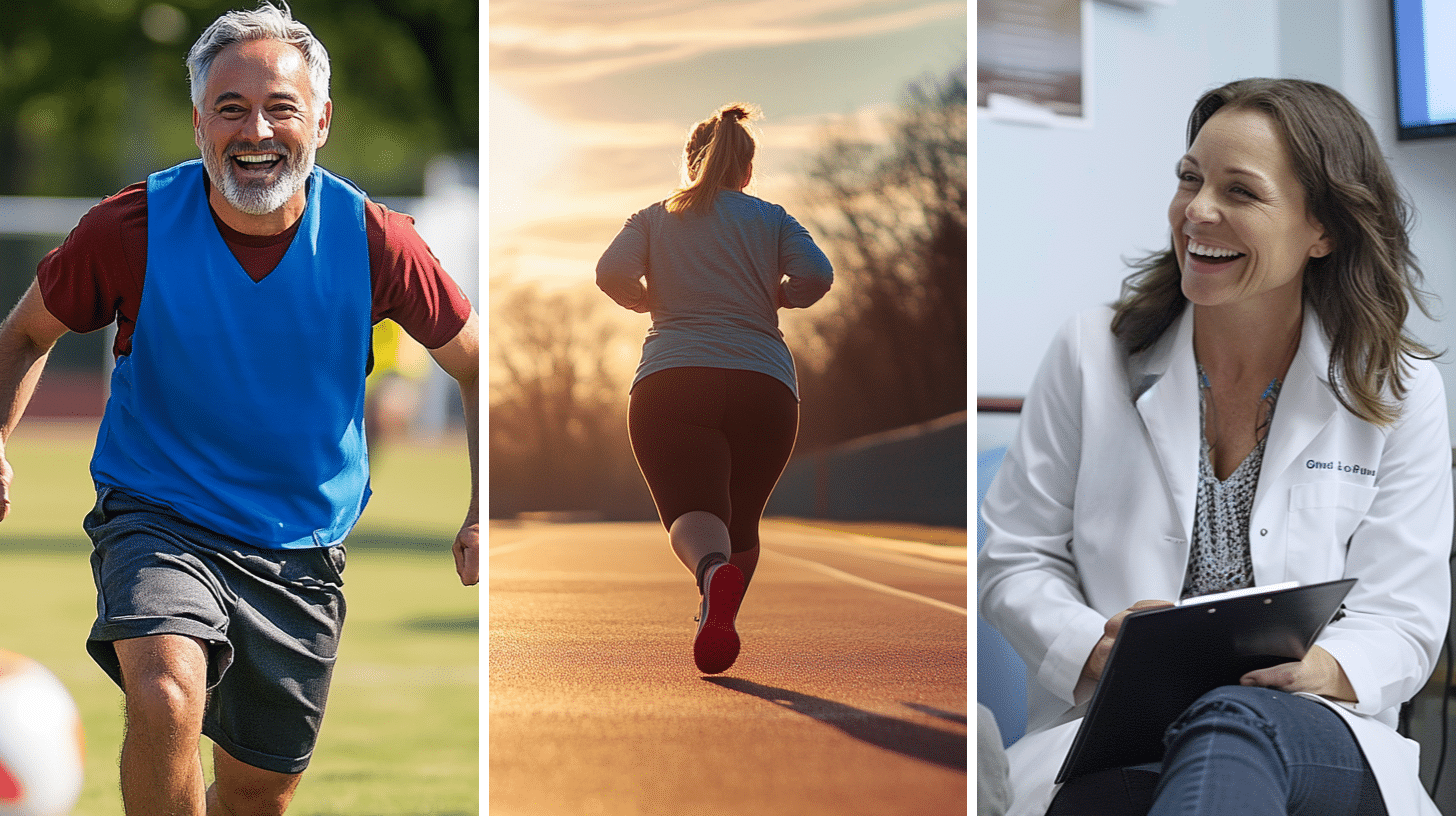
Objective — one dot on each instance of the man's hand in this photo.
(26, 338)
(467, 554)
(1318, 673)
(460, 358)
(6, 476)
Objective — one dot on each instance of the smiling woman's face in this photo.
(1241, 228)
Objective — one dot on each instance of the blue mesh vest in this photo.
(241, 405)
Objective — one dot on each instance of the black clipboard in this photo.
(1164, 659)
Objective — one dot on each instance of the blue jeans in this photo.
(1239, 750)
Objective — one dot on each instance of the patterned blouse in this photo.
(1219, 559)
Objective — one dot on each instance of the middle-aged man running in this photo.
(231, 461)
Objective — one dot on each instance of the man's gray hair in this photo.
(267, 22)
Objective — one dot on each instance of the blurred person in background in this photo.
(232, 461)
(714, 407)
(394, 390)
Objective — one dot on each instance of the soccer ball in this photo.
(40, 741)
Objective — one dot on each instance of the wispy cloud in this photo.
(591, 102)
(542, 43)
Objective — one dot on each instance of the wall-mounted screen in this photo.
(1425, 67)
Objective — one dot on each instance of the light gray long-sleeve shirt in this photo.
(715, 283)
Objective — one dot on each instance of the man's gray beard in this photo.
(259, 198)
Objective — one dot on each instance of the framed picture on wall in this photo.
(1033, 61)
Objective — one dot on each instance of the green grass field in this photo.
(401, 734)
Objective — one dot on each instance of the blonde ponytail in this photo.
(718, 156)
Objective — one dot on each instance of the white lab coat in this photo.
(1092, 510)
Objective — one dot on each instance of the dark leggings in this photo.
(713, 439)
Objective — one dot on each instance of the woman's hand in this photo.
(639, 302)
(1097, 660)
(1318, 673)
(628, 292)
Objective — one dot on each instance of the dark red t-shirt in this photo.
(96, 275)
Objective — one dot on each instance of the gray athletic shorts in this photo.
(270, 618)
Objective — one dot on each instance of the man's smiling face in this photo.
(260, 126)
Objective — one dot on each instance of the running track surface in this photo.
(849, 696)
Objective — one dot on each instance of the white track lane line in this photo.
(865, 583)
(883, 556)
(936, 552)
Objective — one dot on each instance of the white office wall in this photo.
(1359, 64)
(1058, 209)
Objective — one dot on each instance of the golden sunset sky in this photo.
(589, 103)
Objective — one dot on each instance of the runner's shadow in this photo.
(944, 748)
(937, 712)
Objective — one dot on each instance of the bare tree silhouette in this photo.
(892, 349)
(560, 363)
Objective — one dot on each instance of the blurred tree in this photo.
(93, 93)
(560, 364)
(890, 348)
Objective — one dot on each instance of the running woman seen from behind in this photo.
(714, 406)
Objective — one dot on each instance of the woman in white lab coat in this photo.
(1250, 412)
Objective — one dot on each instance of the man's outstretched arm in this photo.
(461, 360)
(26, 339)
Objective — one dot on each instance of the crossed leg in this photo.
(165, 683)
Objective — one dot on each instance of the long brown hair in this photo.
(717, 156)
(1362, 291)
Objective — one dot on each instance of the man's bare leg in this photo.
(240, 789)
(165, 682)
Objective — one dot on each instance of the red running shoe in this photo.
(716, 645)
